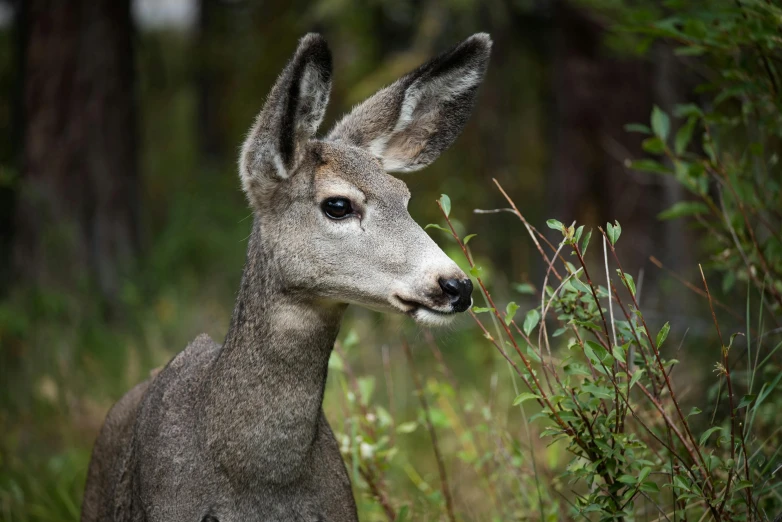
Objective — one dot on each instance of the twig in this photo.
(477, 446)
(656, 262)
(667, 380)
(527, 225)
(733, 427)
(378, 494)
(432, 433)
(389, 390)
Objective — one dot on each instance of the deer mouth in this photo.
(418, 310)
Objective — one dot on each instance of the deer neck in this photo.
(265, 392)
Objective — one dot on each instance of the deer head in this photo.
(333, 221)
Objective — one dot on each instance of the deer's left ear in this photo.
(411, 122)
(289, 118)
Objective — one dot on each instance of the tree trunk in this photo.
(596, 94)
(211, 29)
(10, 141)
(77, 214)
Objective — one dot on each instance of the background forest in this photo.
(626, 366)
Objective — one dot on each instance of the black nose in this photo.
(458, 292)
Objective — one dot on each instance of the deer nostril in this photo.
(451, 287)
(458, 292)
(466, 288)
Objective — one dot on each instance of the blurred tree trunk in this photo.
(212, 31)
(10, 140)
(77, 214)
(596, 94)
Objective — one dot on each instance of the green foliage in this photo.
(609, 400)
(725, 151)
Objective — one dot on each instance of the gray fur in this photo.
(237, 432)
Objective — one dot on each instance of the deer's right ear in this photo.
(289, 118)
(411, 122)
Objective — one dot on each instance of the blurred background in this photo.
(123, 228)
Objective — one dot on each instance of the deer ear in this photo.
(289, 118)
(410, 123)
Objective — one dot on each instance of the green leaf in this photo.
(445, 202)
(520, 398)
(467, 238)
(438, 227)
(613, 232)
(663, 334)
(581, 286)
(644, 473)
(577, 369)
(401, 515)
(601, 392)
(636, 377)
(531, 320)
(335, 362)
(685, 110)
(585, 324)
(475, 271)
(555, 225)
(577, 235)
(481, 310)
(618, 353)
(747, 400)
(661, 123)
(684, 135)
(680, 483)
(525, 288)
(566, 416)
(510, 311)
(585, 242)
(628, 280)
(627, 479)
(694, 411)
(705, 437)
(648, 165)
(653, 145)
(684, 208)
(638, 127)
(590, 353)
(742, 484)
(407, 427)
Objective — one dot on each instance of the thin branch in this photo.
(432, 433)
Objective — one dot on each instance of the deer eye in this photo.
(337, 208)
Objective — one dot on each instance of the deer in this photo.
(236, 432)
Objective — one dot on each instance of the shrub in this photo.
(594, 374)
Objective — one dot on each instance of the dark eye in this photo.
(337, 208)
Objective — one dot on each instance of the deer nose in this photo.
(458, 292)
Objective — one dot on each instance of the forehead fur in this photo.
(361, 169)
